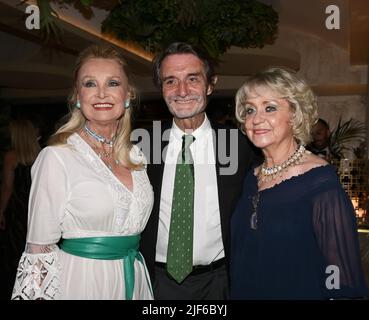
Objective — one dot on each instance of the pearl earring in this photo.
(126, 104)
(78, 105)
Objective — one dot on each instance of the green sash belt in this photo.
(109, 248)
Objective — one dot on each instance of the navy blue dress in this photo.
(305, 224)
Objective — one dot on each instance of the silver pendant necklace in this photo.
(110, 167)
(103, 140)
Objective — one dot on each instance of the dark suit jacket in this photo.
(229, 189)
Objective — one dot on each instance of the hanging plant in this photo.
(214, 25)
(49, 26)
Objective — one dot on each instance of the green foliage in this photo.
(213, 25)
(87, 2)
(50, 29)
(48, 24)
(349, 132)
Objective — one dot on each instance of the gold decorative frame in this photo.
(354, 176)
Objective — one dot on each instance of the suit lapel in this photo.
(157, 168)
(220, 184)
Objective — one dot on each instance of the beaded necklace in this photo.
(99, 138)
(271, 173)
(275, 171)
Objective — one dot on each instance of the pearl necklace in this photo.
(271, 173)
(276, 171)
(99, 138)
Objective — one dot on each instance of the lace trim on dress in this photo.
(130, 207)
(38, 274)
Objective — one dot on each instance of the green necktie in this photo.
(180, 244)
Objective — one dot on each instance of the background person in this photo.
(293, 220)
(15, 188)
(90, 193)
(186, 79)
(320, 140)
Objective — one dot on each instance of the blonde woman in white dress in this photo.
(90, 197)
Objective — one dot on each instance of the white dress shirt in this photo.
(207, 235)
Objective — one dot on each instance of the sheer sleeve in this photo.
(38, 273)
(336, 233)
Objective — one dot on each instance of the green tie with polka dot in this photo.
(180, 245)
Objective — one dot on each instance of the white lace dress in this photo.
(74, 195)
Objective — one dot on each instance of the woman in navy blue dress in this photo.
(293, 232)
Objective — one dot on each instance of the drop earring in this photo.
(126, 104)
(78, 105)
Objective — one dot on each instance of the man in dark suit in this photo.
(320, 140)
(218, 158)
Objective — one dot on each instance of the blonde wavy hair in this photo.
(24, 141)
(76, 122)
(288, 86)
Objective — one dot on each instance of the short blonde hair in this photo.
(286, 85)
(76, 122)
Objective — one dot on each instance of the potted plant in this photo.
(345, 136)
